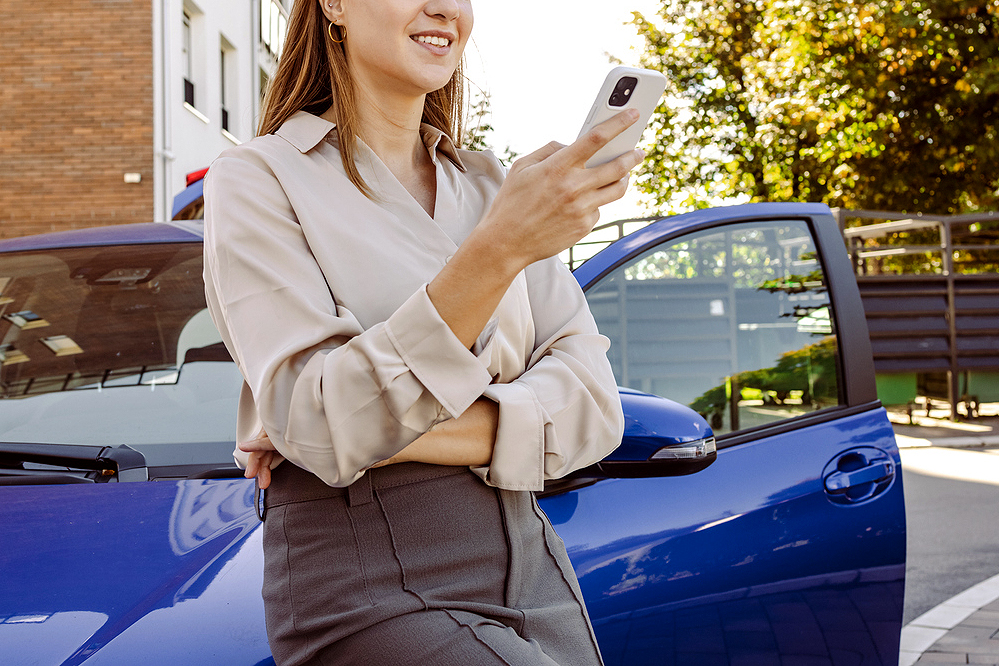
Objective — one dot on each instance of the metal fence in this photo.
(934, 323)
(602, 236)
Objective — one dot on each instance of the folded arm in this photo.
(466, 441)
(333, 397)
(336, 399)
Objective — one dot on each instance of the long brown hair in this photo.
(313, 75)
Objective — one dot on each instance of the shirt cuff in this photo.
(435, 356)
(242, 458)
(518, 461)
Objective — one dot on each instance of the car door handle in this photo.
(858, 475)
(840, 482)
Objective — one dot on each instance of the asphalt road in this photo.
(952, 513)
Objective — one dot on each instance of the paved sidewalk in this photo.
(965, 628)
(962, 630)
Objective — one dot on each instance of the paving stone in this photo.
(983, 659)
(943, 616)
(943, 658)
(918, 639)
(972, 640)
(983, 618)
(967, 633)
(983, 647)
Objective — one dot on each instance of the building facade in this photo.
(106, 106)
(214, 58)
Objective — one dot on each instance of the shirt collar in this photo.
(304, 131)
(434, 139)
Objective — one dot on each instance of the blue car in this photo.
(752, 515)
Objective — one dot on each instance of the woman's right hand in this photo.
(547, 203)
(549, 199)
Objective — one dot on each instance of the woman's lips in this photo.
(436, 43)
(433, 40)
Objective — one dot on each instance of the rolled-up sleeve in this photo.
(564, 412)
(334, 398)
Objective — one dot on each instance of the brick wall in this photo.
(76, 114)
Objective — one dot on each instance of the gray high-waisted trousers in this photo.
(417, 564)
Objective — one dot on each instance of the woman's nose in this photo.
(448, 10)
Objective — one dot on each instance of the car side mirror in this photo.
(661, 438)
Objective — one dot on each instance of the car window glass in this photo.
(113, 345)
(735, 322)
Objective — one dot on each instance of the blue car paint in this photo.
(188, 195)
(750, 535)
(101, 572)
(116, 567)
(125, 234)
(652, 422)
(751, 560)
(745, 561)
(124, 573)
(620, 250)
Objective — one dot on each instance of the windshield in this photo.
(113, 345)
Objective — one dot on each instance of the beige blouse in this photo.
(320, 296)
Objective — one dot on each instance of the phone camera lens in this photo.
(623, 90)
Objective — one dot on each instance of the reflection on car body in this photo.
(787, 544)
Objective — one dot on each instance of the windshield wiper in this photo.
(27, 463)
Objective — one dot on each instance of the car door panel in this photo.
(738, 546)
(790, 547)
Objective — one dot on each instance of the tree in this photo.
(884, 104)
(478, 127)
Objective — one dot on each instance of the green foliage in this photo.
(795, 284)
(478, 127)
(711, 404)
(748, 255)
(885, 104)
(809, 371)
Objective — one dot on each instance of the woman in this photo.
(411, 346)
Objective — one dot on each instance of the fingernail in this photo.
(640, 153)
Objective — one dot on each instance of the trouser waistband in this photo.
(290, 483)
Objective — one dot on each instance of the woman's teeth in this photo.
(434, 41)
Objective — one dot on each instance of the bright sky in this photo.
(543, 61)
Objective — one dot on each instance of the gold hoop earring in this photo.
(334, 39)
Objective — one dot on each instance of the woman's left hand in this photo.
(262, 454)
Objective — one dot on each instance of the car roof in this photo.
(179, 231)
(195, 190)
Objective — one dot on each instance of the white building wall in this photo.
(188, 137)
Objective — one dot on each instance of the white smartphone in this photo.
(624, 88)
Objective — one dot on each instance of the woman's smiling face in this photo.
(402, 46)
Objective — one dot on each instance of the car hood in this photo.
(146, 572)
